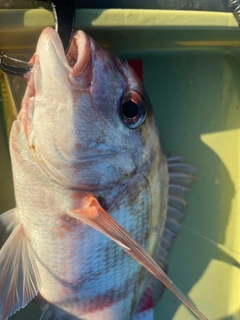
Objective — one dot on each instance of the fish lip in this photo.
(79, 53)
(48, 39)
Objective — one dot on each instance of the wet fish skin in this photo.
(77, 163)
(69, 139)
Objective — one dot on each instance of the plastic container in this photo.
(191, 71)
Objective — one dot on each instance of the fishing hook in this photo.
(64, 14)
(14, 66)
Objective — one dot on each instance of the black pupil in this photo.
(130, 109)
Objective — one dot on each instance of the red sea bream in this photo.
(89, 171)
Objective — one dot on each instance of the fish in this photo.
(97, 200)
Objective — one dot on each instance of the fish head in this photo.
(86, 114)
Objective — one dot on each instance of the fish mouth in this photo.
(79, 57)
(79, 53)
(77, 61)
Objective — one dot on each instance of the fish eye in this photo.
(133, 110)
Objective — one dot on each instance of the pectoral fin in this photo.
(94, 215)
(8, 221)
(19, 276)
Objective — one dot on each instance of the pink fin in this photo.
(19, 277)
(94, 215)
(8, 221)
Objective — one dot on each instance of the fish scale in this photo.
(91, 185)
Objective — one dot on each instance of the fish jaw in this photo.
(50, 97)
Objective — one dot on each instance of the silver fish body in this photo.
(85, 141)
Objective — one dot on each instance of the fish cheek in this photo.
(64, 133)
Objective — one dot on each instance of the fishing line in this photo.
(221, 247)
